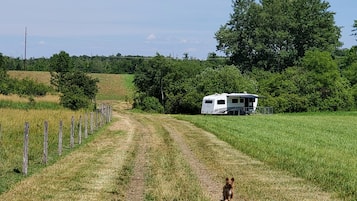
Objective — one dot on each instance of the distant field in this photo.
(321, 147)
(111, 86)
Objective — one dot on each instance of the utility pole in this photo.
(25, 48)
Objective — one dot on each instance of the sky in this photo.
(128, 27)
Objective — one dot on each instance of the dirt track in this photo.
(101, 169)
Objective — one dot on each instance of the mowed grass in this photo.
(111, 86)
(12, 123)
(320, 147)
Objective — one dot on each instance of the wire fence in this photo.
(82, 127)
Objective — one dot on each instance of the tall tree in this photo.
(236, 37)
(314, 26)
(77, 89)
(150, 78)
(354, 31)
(274, 34)
(60, 64)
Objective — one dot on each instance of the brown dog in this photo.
(227, 190)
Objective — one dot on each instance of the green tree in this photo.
(77, 89)
(354, 30)
(237, 36)
(275, 34)
(325, 88)
(150, 78)
(4, 77)
(314, 26)
(60, 64)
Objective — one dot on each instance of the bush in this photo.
(74, 98)
(147, 103)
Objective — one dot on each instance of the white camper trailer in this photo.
(232, 104)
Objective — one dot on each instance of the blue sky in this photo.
(129, 27)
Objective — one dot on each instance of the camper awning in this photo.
(243, 95)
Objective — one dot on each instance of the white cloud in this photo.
(184, 41)
(151, 37)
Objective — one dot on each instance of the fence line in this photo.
(101, 118)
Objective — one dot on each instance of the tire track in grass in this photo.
(136, 186)
(212, 188)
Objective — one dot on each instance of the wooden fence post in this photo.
(25, 160)
(80, 130)
(60, 134)
(72, 133)
(96, 120)
(91, 123)
(110, 113)
(45, 143)
(86, 125)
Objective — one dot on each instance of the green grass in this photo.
(169, 176)
(114, 86)
(320, 147)
(29, 105)
(11, 140)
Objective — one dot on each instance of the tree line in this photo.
(286, 51)
(76, 89)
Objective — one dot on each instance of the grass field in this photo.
(321, 147)
(11, 140)
(111, 86)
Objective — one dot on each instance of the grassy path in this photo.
(156, 157)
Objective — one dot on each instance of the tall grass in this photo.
(320, 147)
(11, 140)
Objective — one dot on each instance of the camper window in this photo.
(221, 102)
(209, 101)
(235, 100)
(242, 100)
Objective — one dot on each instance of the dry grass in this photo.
(39, 76)
(11, 141)
(111, 86)
(16, 98)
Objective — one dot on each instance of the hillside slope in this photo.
(111, 86)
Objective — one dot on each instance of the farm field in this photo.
(12, 123)
(319, 147)
(157, 157)
(142, 156)
(111, 86)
